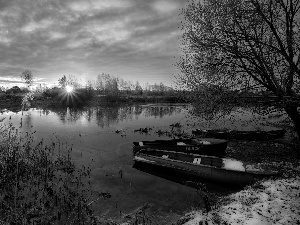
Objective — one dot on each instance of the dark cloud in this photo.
(127, 38)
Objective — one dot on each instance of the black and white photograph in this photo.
(149, 112)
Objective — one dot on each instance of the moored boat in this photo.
(258, 135)
(203, 146)
(225, 170)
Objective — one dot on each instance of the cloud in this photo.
(11, 79)
(92, 5)
(55, 37)
(33, 25)
(166, 6)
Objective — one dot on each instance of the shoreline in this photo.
(14, 102)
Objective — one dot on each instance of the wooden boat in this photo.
(242, 135)
(225, 170)
(203, 146)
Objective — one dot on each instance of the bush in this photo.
(14, 90)
(52, 93)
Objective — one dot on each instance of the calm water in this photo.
(92, 132)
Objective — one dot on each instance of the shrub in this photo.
(52, 92)
(14, 90)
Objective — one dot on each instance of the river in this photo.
(102, 139)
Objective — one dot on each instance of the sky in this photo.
(130, 39)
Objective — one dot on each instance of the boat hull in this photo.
(211, 169)
(217, 147)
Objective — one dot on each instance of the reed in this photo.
(39, 183)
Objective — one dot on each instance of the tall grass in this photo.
(39, 183)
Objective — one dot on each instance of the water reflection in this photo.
(107, 116)
(186, 178)
(241, 118)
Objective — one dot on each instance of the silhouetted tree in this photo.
(244, 44)
(99, 84)
(110, 84)
(138, 88)
(27, 77)
(62, 82)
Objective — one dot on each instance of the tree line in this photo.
(106, 84)
(103, 84)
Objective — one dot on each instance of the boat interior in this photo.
(173, 142)
(224, 163)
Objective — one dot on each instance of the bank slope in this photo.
(266, 202)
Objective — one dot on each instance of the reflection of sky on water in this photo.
(138, 116)
(69, 124)
(91, 132)
(100, 116)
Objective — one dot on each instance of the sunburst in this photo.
(70, 96)
(69, 89)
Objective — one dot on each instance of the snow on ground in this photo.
(266, 203)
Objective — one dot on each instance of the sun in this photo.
(69, 89)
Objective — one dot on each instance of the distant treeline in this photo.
(110, 89)
(104, 89)
(106, 84)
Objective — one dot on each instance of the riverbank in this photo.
(270, 201)
(266, 202)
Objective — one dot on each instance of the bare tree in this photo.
(73, 81)
(124, 85)
(244, 44)
(138, 88)
(99, 84)
(27, 77)
(89, 85)
(110, 83)
(62, 82)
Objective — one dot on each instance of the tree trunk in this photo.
(293, 113)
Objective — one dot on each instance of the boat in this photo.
(203, 146)
(242, 135)
(225, 170)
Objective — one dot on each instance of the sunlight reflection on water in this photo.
(93, 134)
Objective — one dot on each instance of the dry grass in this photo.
(39, 183)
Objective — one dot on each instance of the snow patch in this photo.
(268, 202)
(142, 159)
(232, 164)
